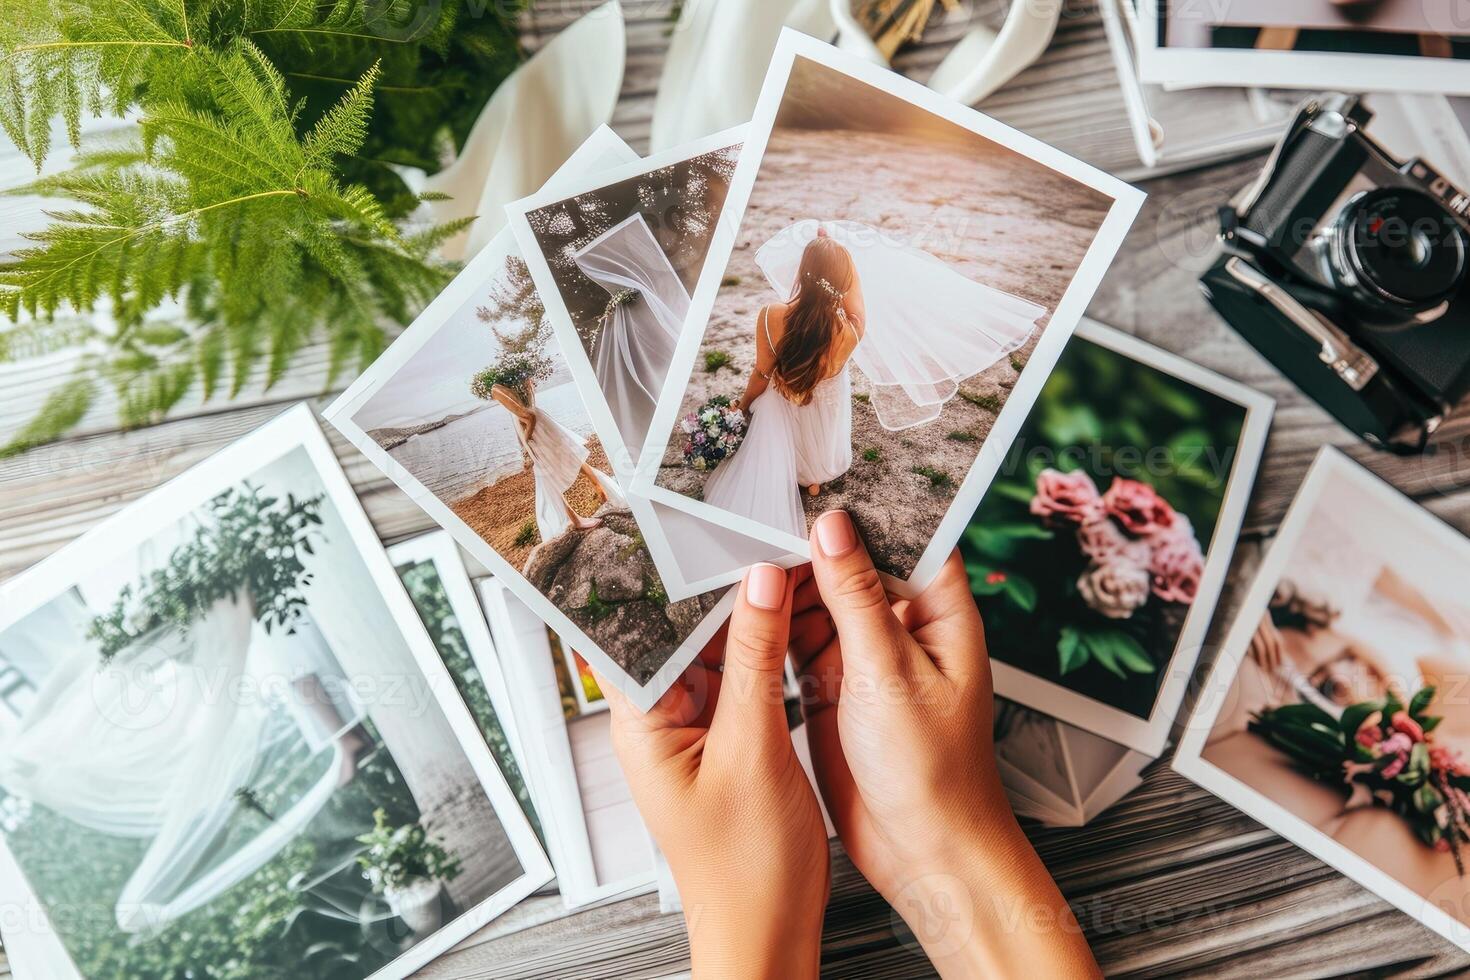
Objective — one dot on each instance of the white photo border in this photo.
(1150, 735)
(619, 453)
(341, 412)
(438, 549)
(527, 663)
(1312, 70)
(294, 429)
(1330, 465)
(1127, 201)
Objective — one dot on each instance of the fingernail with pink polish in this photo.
(765, 587)
(835, 534)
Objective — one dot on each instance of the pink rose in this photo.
(1368, 733)
(1114, 588)
(1138, 507)
(1176, 568)
(1401, 722)
(1066, 496)
(1446, 760)
(1102, 540)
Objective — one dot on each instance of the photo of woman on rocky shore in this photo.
(480, 420)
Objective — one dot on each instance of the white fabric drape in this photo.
(636, 339)
(166, 734)
(927, 327)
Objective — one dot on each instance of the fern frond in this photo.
(342, 128)
(61, 411)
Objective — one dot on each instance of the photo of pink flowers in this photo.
(1089, 549)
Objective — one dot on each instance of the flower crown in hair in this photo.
(821, 281)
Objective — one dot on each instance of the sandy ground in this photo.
(498, 512)
(1000, 219)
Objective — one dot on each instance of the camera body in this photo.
(1347, 269)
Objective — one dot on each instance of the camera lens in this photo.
(1399, 246)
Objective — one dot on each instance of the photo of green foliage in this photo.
(426, 589)
(1055, 600)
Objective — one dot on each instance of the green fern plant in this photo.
(234, 196)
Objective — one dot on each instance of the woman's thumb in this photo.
(852, 591)
(751, 704)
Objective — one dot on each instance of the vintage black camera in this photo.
(1347, 269)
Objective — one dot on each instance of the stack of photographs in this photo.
(225, 723)
(1335, 713)
(1177, 129)
(538, 408)
(1372, 46)
(1096, 558)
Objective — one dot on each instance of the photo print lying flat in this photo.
(1056, 773)
(474, 413)
(614, 258)
(873, 224)
(595, 835)
(432, 571)
(1336, 711)
(226, 736)
(1097, 554)
(1373, 46)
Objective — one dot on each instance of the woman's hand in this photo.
(899, 704)
(715, 776)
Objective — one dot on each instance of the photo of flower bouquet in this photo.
(1381, 753)
(1088, 552)
(712, 433)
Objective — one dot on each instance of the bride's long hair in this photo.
(814, 319)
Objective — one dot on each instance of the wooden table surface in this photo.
(1171, 880)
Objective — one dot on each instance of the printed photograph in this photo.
(1347, 705)
(312, 822)
(625, 258)
(1429, 29)
(1087, 553)
(892, 274)
(601, 847)
(424, 581)
(485, 416)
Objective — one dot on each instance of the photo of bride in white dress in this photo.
(924, 329)
(891, 277)
(485, 417)
(623, 258)
(188, 752)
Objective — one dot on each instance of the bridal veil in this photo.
(927, 328)
(640, 328)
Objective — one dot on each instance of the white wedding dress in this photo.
(638, 335)
(557, 455)
(926, 329)
(787, 446)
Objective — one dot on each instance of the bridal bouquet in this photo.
(1382, 753)
(712, 433)
(518, 371)
(1118, 568)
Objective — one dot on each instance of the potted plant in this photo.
(409, 870)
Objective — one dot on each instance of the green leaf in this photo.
(1019, 492)
(1354, 715)
(63, 408)
(1419, 703)
(1020, 591)
(1104, 654)
(1128, 651)
(1070, 650)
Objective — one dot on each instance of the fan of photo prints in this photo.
(295, 751)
